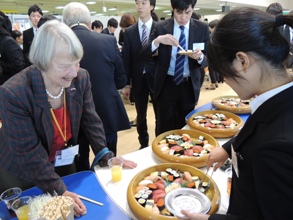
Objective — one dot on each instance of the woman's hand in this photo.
(79, 207)
(128, 163)
(217, 155)
(194, 216)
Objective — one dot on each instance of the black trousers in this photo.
(141, 97)
(173, 103)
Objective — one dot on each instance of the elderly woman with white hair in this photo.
(42, 109)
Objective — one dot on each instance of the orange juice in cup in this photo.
(116, 172)
(21, 207)
(116, 164)
(229, 179)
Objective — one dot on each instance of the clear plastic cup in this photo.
(21, 207)
(9, 196)
(116, 164)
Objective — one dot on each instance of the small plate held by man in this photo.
(186, 52)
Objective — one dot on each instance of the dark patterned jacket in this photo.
(27, 128)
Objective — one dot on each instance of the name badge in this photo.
(66, 156)
(199, 46)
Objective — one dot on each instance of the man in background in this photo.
(34, 14)
(103, 61)
(140, 72)
(97, 26)
(177, 78)
(111, 27)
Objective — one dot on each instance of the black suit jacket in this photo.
(11, 58)
(106, 31)
(134, 62)
(28, 36)
(103, 61)
(198, 33)
(264, 149)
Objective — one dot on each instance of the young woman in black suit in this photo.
(248, 50)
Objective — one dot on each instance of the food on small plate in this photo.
(185, 52)
(151, 195)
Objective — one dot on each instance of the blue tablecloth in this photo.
(85, 184)
(209, 106)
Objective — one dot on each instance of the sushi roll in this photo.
(205, 184)
(141, 192)
(200, 138)
(176, 175)
(145, 188)
(149, 204)
(137, 196)
(196, 154)
(142, 202)
(149, 193)
(169, 170)
(145, 196)
(179, 151)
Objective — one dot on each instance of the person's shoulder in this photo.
(27, 30)
(104, 31)
(22, 79)
(198, 23)
(132, 27)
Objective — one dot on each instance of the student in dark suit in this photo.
(176, 99)
(111, 27)
(34, 14)
(11, 57)
(251, 60)
(97, 26)
(103, 61)
(136, 67)
(42, 109)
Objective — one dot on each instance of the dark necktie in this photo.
(144, 35)
(179, 66)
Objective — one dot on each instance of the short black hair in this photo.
(46, 18)
(251, 31)
(196, 15)
(152, 3)
(34, 8)
(15, 34)
(214, 23)
(154, 16)
(112, 22)
(5, 19)
(275, 8)
(97, 24)
(181, 5)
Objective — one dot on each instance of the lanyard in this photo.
(57, 124)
